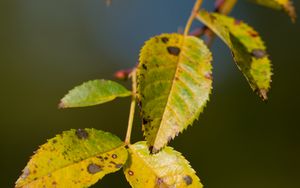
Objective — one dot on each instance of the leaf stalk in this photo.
(193, 15)
(132, 107)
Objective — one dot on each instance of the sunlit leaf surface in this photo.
(166, 169)
(76, 158)
(92, 93)
(174, 83)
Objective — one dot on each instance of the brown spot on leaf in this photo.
(93, 168)
(165, 40)
(130, 173)
(82, 134)
(208, 75)
(253, 33)
(159, 181)
(144, 66)
(114, 156)
(188, 180)
(258, 53)
(173, 50)
(118, 165)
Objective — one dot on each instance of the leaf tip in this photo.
(61, 105)
(263, 94)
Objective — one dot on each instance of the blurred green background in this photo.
(47, 47)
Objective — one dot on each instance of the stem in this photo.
(194, 12)
(132, 107)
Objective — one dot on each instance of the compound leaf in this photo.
(166, 169)
(174, 82)
(92, 93)
(286, 5)
(76, 158)
(248, 49)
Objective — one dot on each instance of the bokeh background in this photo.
(47, 47)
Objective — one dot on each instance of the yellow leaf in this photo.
(76, 158)
(166, 169)
(174, 83)
(247, 47)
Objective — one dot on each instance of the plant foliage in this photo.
(171, 85)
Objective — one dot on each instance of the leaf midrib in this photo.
(170, 93)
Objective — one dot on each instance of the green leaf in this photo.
(76, 158)
(92, 93)
(248, 49)
(167, 168)
(174, 82)
(286, 5)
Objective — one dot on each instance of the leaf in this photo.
(248, 49)
(165, 169)
(92, 93)
(76, 158)
(286, 5)
(174, 83)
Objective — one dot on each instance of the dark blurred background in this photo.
(48, 47)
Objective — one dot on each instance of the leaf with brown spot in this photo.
(168, 168)
(74, 160)
(93, 92)
(248, 49)
(285, 5)
(174, 88)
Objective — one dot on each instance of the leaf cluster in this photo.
(171, 85)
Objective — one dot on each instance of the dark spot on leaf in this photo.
(165, 39)
(144, 66)
(105, 158)
(93, 168)
(159, 181)
(54, 183)
(146, 120)
(54, 141)
(258, 53)
(118, 165)
(130, 173)
(188, 180)
(173, 50)
(114, 156)
(82, 134)
(151, 148)
(253, 33)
